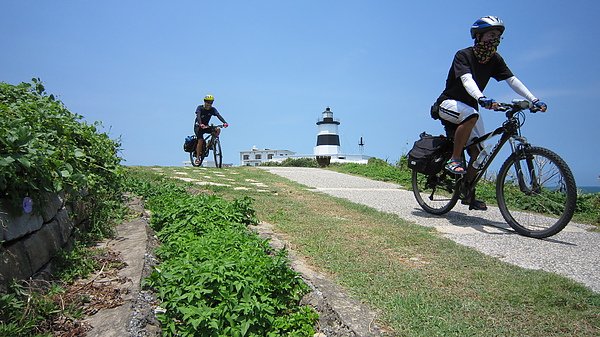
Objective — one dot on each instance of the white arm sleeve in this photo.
(472, 88)
(520, 88)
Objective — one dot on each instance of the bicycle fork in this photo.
(527, 173)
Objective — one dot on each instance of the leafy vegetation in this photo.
(216, 278)
(45, 148)
(378, 169)
(296, 162)
(22, 310)
(55, 307)
(588, 208)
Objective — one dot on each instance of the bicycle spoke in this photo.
(436, 194)
(542, 202)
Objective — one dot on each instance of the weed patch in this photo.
(216, 278)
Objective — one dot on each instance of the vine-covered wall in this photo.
(30, 239)
(50, 160)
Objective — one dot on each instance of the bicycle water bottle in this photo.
(482, 158)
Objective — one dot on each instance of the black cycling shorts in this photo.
(200, 132)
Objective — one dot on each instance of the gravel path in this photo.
(574, 252)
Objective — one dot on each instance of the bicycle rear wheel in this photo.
(218, 155)
(536, 192)
(437, 193)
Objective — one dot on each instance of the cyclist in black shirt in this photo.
(201, 126)
(469, 74)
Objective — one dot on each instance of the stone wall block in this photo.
(54, 237)
(79, 212)
(42, 245)
(65, 225)
(14, 264)
(28, 242)
(15, 225)
(51, 203)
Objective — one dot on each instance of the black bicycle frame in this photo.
(507, 130)
(210, 139)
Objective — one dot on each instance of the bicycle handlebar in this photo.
(516, 106)
(212, 125)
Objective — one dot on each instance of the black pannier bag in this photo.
(189, 145)
(429, 154)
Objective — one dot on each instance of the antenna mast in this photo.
(361, 145)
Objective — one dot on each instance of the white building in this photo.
(256, 156)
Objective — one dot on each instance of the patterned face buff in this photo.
(485, 50)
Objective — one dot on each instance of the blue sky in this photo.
(142, 67)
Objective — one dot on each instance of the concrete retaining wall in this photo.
(29, 241)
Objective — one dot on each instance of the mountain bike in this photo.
(211, 143)
(535, 189)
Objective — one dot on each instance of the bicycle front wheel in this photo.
(218, 155)
(193, 159)
(536, 192)
(437, 193)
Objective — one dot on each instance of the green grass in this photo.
(421, 283)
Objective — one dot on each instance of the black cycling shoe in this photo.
(474, 204)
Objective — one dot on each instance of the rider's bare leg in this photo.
(461, 136)
(199, 147)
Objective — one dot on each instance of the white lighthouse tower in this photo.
(328, 140)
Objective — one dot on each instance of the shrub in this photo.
(378, 169)
(46, 148)
(588, 207)
(295, 162)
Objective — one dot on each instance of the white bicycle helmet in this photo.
(486, 23)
